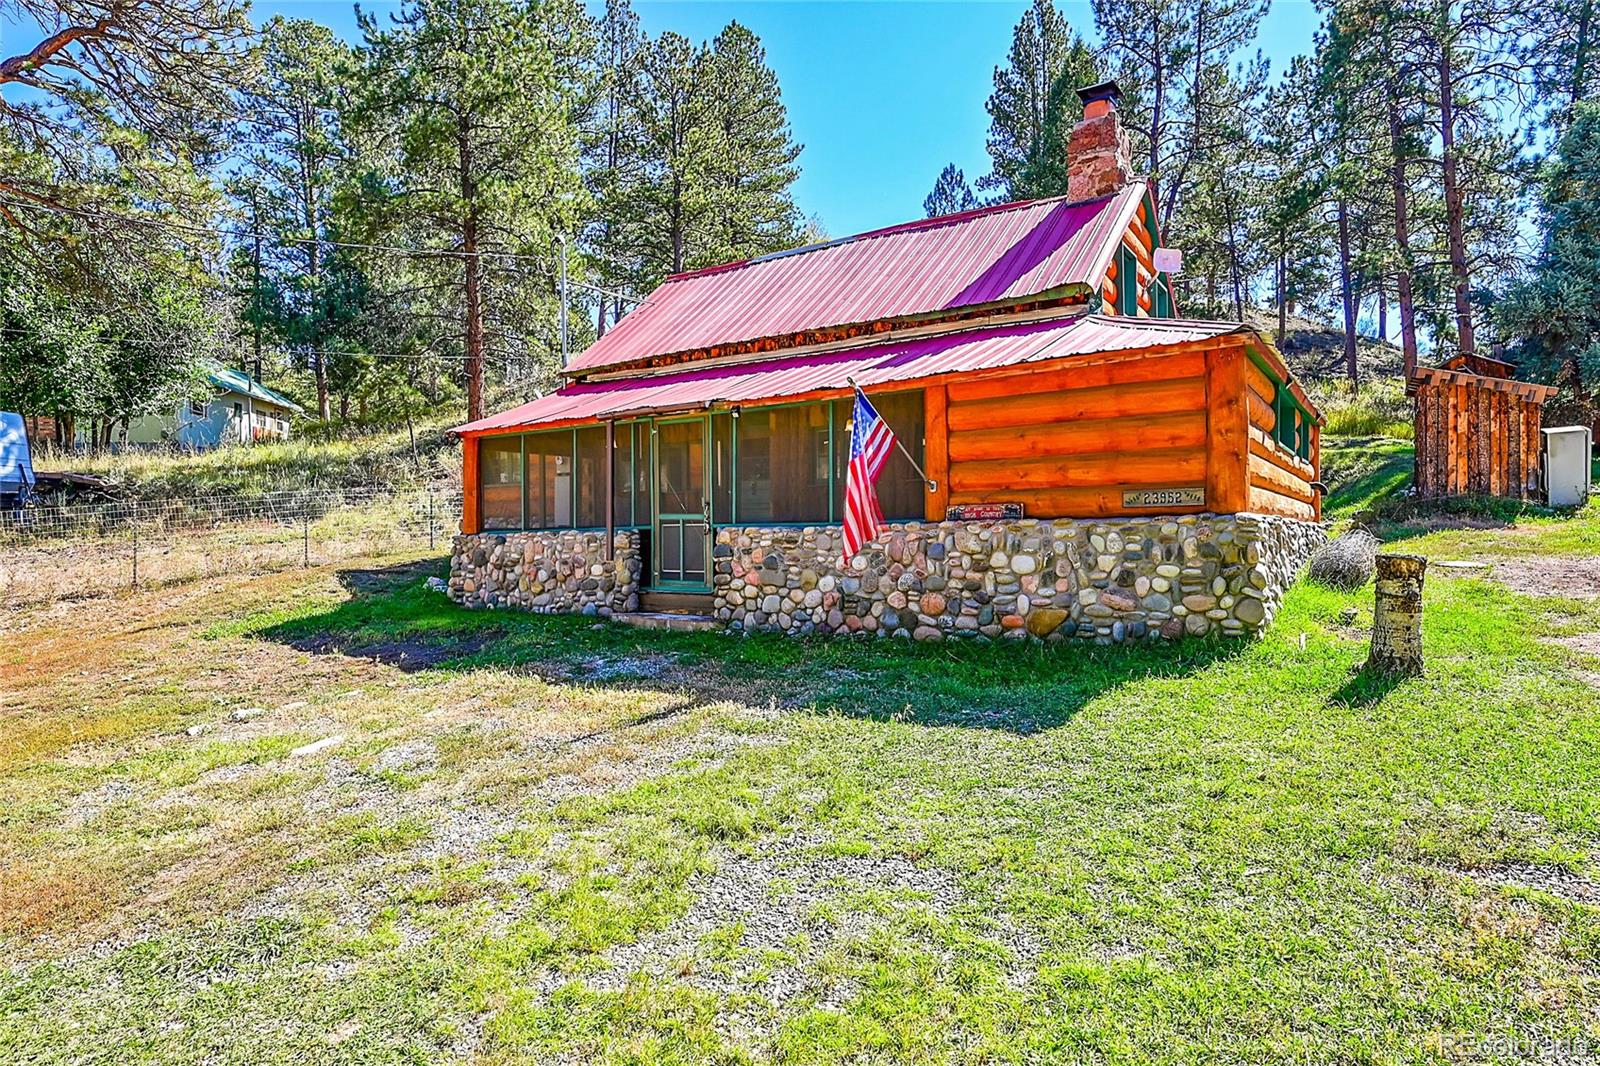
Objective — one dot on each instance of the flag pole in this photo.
(933, 486)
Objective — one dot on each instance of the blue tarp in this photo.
(16, 466)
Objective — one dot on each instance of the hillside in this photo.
(379, 460)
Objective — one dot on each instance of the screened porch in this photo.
(674, 479)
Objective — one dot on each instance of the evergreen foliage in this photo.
(950, 194)
(1554, 312)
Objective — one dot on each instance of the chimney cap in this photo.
(1107, 90)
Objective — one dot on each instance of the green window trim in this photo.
(1292, 421)
(1127, 271)
(1161, 297)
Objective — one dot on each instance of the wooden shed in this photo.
(1477, 430)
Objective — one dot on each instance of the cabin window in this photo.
(197, 408)
(1127, 281)
(632, 487)
(549, 480)
(500, 482)
(1293, 423)
(1161, 297)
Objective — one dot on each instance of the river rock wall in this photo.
(549, 571)
(1107, 581)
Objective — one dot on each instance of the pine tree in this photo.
(950, 194)
(1034, 105)
(753, 163)
(1553, 315)
(614, 159)
(293, 154)
(718, 157)
(468, 129)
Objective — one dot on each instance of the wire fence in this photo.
(88, 549)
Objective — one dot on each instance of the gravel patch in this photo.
(1557, 880)
(757, 925)
(1575, 579)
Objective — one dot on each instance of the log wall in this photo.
(1477, 435)
(1280, 481)
(1070, 441)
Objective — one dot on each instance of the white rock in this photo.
(319, 745)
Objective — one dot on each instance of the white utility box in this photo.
(1566, 465)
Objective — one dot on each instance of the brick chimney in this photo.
(1099, 161)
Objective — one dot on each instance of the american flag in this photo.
(870, 443)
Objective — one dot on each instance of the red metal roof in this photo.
(872, 364)
(993, 254)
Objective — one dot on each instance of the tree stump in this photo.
(1397, 616)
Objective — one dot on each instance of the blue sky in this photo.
(882, 95)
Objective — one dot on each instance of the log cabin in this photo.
(1079, 459)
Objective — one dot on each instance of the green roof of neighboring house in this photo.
(238, 381)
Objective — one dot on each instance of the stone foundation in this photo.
(1108, 581)
(554, 571)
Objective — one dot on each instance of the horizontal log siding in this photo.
(1067, 442)
(1476, 440)
(1280, 481)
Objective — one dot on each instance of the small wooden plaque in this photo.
(984, 512)
(1187, 497)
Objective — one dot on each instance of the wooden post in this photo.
(936, 450)
(469, 484)
(611, 490)
(1397, 615)
(1227, 432)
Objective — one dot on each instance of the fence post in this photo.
(305, 537)
(430, 518)
(135, 543)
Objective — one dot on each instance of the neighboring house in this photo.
(240, 410)
(16, 464)
(1028, 356)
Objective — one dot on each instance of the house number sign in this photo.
(1164, 498)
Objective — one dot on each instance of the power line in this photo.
(218, 231)
(144, 342)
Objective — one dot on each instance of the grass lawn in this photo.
(542, 839)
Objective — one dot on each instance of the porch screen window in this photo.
(500, 482)
(900, 492)
(549, 480)
(632, 487)
(782, 465)
(590, 472)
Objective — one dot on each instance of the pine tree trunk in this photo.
(1402, 235)
(1347, 296)
(1397, 615)
(1580, 58)
(319, 365)
(1453, 208)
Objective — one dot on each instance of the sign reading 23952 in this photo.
(1164, 498)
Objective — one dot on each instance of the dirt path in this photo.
(1554, 575)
